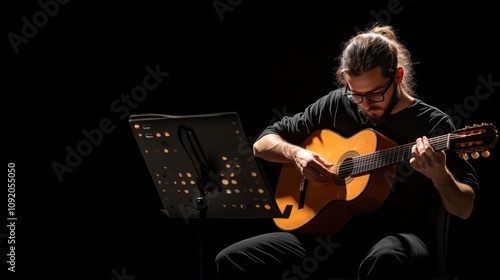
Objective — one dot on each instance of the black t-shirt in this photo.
(412, 196)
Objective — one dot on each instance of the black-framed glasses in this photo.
(372, 96)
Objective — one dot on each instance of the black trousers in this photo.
(286, 255)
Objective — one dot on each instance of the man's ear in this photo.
(400, 72)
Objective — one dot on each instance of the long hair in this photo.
(378, 46)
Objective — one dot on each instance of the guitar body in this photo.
(327, 207)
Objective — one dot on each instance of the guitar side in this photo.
(327, 207)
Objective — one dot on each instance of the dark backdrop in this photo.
(69, 67)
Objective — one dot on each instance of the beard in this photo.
(378, 120)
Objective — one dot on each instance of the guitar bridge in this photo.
(302, 190)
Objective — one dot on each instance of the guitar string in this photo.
(378, 159)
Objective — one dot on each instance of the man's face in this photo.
(375, 95)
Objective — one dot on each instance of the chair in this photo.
(442, 226)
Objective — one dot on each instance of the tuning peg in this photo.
(475, 155)
(485, 153)
(465, 156)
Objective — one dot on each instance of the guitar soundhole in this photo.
(344, 168)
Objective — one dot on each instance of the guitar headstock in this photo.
(474, 140)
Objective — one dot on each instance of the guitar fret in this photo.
(357, 165)
(381, 158)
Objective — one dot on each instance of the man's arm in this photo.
(311, 165)
(457, 197)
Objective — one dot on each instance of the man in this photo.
(396, 240)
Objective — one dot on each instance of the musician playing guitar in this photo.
(363, 167)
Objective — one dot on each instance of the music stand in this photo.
(203, 167)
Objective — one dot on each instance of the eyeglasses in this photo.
(371, 96)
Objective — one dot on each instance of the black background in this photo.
(262, 60)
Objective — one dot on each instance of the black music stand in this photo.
(203, 167)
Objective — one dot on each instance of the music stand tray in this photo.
(203, 166)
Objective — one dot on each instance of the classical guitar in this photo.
(365, 167)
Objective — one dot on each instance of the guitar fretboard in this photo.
(383, 158)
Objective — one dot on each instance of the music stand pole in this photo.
(202, 235)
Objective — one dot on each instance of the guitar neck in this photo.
(383, 158)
